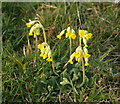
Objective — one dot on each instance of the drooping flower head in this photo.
(70, 33)
(82, 33)
(35, 28)
(61, 33)
(86, 56)
(85, 36)
(45, 51)
(30, 23)
(79, 54)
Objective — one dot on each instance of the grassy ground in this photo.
(26, 79)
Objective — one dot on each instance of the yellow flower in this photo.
(78, 55)
(30, 34)
(73, 36)
(40, 46)
(32, 30)
(86, 59)
(86, 45)
(45, 51)
(44, 56)
(58, 36)
(61, 33)
(87, 56)
(76, 59)
(48, 59)
(86, 64)
(70, 61)
(35, 30)
(85, 42)
(41, 55)
(28, 25)
(82, 33)
(88, 36)
(37, 33)
(68, 34)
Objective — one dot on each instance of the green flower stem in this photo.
(70, 46)
(45, 39)
(36, 42)
(83, 66)
(53, 67)
(36, 50)
(80, 42)
(83, 69)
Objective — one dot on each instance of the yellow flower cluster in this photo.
(79, 54)
(35, 28)
(85, 36)
(45, 51)
(70, 33)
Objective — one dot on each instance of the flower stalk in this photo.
(44, 47)
(70, 46)
(81, 53)
(70, 33)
